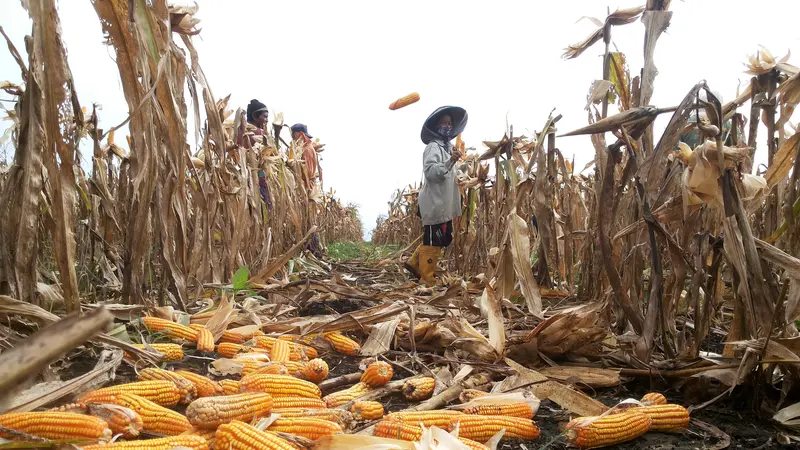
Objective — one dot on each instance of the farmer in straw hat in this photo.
(439, 198)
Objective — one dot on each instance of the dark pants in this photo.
(439, 235)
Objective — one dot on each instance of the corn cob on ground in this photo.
(156, 419)
(187, 389)
(470, 394)
(280, 386)
(394, 429)
(205, 340)
(298, 352)
(654, 398)
(668, 417)
(241, 436)
(591, 432)
(366, 410)
(206, 387)
(56, 426)
(482, 428)
(308, 427)
(161, 392)
(281, 351)
(120, 420)
(314, 371)
(377, 374)
(230, 387)
(268, 369)
(210, 412)
(520, 409)
(297, 402)
(341, 397)
(418, 389)
(342, 343)
(170, 352)
(441, 418)
(171, 329)
(166, 443)
(229, 350)
(340, 416)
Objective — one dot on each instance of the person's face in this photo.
(445, 121)
(296, 135)
(261, 118)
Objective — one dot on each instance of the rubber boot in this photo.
(428, 258)
(412, 265)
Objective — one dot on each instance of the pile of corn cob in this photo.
(276, 403)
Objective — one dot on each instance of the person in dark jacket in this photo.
(258, 115)
(439, 197)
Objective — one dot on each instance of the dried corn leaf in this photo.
(497, 333)
(789, 416)
(521, 251)
(587, 376)
(783, 161)
(380, 338)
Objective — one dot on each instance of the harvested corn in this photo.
(241, 436)
(417, 389)
(314, 371)
(210, 412)
(161, 392)
(169, 328)
(654, 398)
(342, 343)
(593, 432)
(308, 427)
(120, 420)
(341, 397)
(155, 418)
(166, 443)
(56, 425)
(280, 386)
(205, 386)
(482, 428)
(520, 409)
(367, 410)
(187, 389)
(170, 352)
(377, 374)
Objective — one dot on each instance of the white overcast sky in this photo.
(337, 65)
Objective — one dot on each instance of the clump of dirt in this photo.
(340, 306)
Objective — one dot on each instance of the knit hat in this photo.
(254, 109)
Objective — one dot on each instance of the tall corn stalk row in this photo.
(154, 224)
(674, 239)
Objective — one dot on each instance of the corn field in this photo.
(671, 240)
(151, 225)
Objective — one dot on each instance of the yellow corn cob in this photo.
(230, 350)
(654, 398)
(156, 419)
(280, 386)
(268, 369)
(250, 365)
(377, 374)
(367, 410)
(237, 337)
(166, 443)
(241, 436)
(56, 425)
(441, 419)
(230, 387)
(520, 409)
(206, 387)
(482, 428)
(120, 420)
(187, 389)
(340, 416)
(281, 350)
(310, 428)
(341, 397)
(394, 429)
(297, 402)
(666, 417)
(205, 340)
(205, 433)
(342, 343)
(590, 432)
(314, 371)
(299, 352)
(417, 389)
(161, 392)
(210, 412)
(469, 394)
(404, 101)
(171, 352)
(169, 328)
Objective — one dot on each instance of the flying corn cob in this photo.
(230, 387)
(342, 343)
(170, 352)
(520, 409)
(166, 443)
(280, 386)
(205, 386)
(169, 328)
(482, 428)
(120, 420)
(654, 398)
(377, 374)
(205, 340)
(280, 352)
(404, 101)
(155, 418)
(241, 436)
(314, 371)
(340, 416)
(666, 417)
(591, 432)
(310, 428)
(297, 402)
(366, 410)
(56, 426)
(161, 392)
(441, 419)
(394, 429)
(187, 389)
(417, 389)
(210, 412)
(341, 397)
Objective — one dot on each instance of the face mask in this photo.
(444, 131)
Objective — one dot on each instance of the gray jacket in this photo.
(439, 198)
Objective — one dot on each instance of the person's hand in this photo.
(455, 156)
